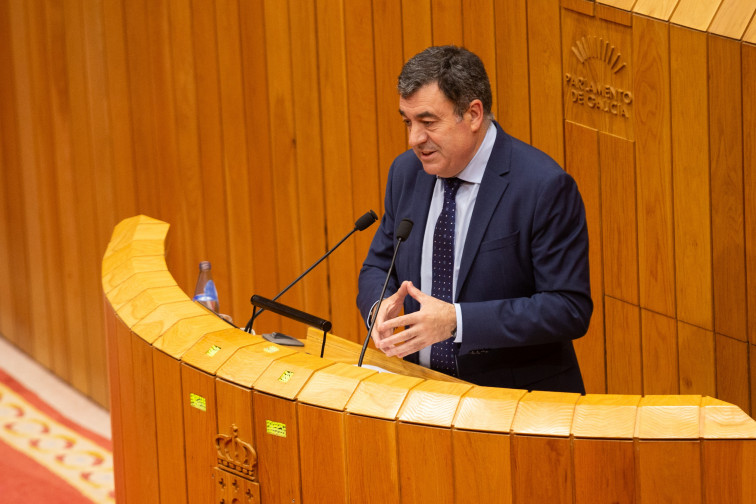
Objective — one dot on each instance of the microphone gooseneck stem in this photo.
(257, 312)
(378, 306)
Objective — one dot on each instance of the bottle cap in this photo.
(204, 265)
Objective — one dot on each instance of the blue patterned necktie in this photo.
(443, 352)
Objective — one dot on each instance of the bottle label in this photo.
(209, 297)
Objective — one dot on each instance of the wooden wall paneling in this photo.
(309, 156)
(752, 372)
(234, 419)
(512, 73)
(417, 27)
(140, 75)
(624, 363)
(474, 481)
(69, 152)
(731, 20)
(690, 172)
(728, 234)
(668, 471)
(582, 162)
(8, 160)
(604, 471)
(212, 197)
(235, 159)
(447, 18)
(697, 360)
(361, 78)
(732, 372)
(388, 45)
(425, 463)
(651, 110)
(119, 111)
(322, 454)
(537, 459)
(90, 354)
(728, 471)
(169, 424)
(337, 159)
(45, 277)
(545, 64)
(479, 27)
(619, 218)
(259, 150)
(102, 177)
(749, 182)
(695, 14)
(199, 408)
(372, 460)
(277, 438)
(19, 127)
(189, 224)
(660, 353)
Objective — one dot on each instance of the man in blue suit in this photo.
(494, 278)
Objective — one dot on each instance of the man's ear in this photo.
(476, 115)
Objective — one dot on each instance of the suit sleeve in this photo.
(559, 306)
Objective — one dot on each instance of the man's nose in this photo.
(417, 136)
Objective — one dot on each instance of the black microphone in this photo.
(361, 224)
(402, 232)
(294, 314)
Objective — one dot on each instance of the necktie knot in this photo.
(451, 185)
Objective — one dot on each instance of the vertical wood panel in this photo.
(200, 426)
(697, 360)
(322, 453)
(279, 77)
(660, 353)
(604, 471)
(732, 372)
(420, 480)
(480, 37)
(361, 77)
(690, 154)
(309, 155)
(513, 90)
(447, 22)
(337, 159)
(536, 460)
(582, 162)
(416, 27)
(624, 373)
(490, 482)
(169, 425)
(235, 160)
(372, 460)
(749, 182)
(726, 137)
(545, 64)
(260, 188)
(275, 451)
(619, 218)
(728, 471)
(653, 165)
(669, 471)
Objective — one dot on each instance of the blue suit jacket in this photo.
(523, 284)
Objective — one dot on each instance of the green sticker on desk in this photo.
(212, 351)
(275, 428)
(196, 401)
(270, 349)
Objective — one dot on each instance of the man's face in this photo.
(444, 142)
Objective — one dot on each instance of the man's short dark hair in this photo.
(459, 73)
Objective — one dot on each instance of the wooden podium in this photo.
(205, 413)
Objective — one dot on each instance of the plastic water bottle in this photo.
(205, 293)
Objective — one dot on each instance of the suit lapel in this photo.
(492, 188)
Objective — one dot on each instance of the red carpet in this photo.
(46, 458)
